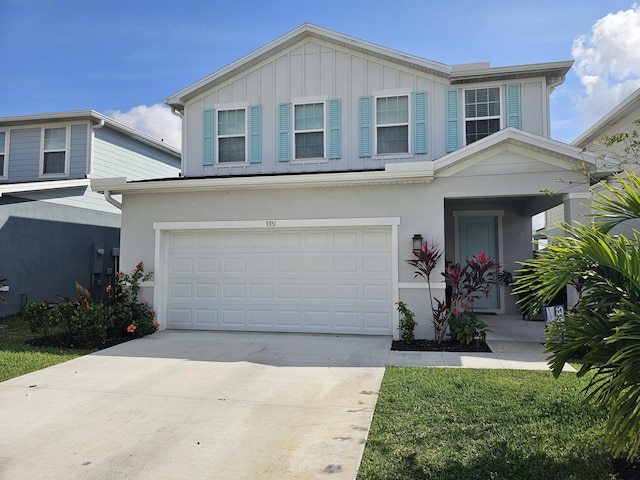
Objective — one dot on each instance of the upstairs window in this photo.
(54, 156)
(232, 143)
(481, 112)
(392, 124)
(3, 143)
(309, 128)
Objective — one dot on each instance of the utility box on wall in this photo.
(97, 255)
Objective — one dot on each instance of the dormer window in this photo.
(232, 127)
(54, 151)
(481, 112)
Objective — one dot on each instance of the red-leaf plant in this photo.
(471, 282)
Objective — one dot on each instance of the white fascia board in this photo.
(463, 75)
(392, 176)
(40, 186)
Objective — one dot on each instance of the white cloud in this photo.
(156, 120)
(608, 61)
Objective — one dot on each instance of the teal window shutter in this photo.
(284, 134)
(420, 122)
(453, 119)
(208, 126)
(335, 128)
(255, 134)
(513, 105)
(366, 133)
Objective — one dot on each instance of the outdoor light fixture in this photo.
(417, 243)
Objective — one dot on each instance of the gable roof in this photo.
(597, 130)
(546, 149)
(554, 71)
(92, 116)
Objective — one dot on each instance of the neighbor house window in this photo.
(54, 158)
(392, 124)
(3, 143)
(481, 112)
(232, 141)
(308, 125)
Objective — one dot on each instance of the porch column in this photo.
(576, 208)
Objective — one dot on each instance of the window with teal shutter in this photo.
(284, 135)
(366, 134)
(453, 120)
(513, 105)
(207, 137)
(420, 122)
(335, 128)
(255, 134)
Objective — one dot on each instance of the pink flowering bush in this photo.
(469, 282)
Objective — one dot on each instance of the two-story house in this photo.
(311, 164)
(53, 229)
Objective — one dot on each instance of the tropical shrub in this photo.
(465, 327)
(605, 323)
(471, 282)
(407, 323)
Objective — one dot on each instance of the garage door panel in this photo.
(303, 280)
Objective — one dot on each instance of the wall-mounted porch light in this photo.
(417, 243)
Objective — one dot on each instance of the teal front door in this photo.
(479, 234)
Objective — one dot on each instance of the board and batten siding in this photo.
(117, 155)
(313, 69)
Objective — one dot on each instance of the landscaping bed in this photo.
(444, 346)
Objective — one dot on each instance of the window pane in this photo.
(1, 165)
(393, 140)
(478, 129)
(483, 102)
(310, 145)
(231, 122)
(231, 149)
(392, 110)
(2, 140)
(53, 162)
(55, 138)
(309, 116)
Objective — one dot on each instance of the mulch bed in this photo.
(444, 346)
(61, 341)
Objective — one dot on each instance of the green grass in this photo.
(18, 358)
(469, 424)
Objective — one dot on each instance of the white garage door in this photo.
(321, 280)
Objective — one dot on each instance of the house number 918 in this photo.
(270, 223)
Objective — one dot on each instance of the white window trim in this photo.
(464, 110)
(398, 92)
(5, 173)
(67, 152)
(308, 101)
(223, 108)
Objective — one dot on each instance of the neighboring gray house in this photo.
(53, 228)
(311, 163)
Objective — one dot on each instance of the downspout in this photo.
(94, 127)
(111, 200)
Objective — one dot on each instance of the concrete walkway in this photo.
(514, 343)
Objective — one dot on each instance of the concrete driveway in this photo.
(196, 405)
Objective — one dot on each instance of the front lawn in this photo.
(436, 423)
(18, 358)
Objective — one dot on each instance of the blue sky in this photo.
(123, 58)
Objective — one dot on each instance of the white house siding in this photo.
(115, 152)
(315, 68)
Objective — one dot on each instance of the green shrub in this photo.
(90, 326)
(407, 323)
(465, 327)
(37, 314)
